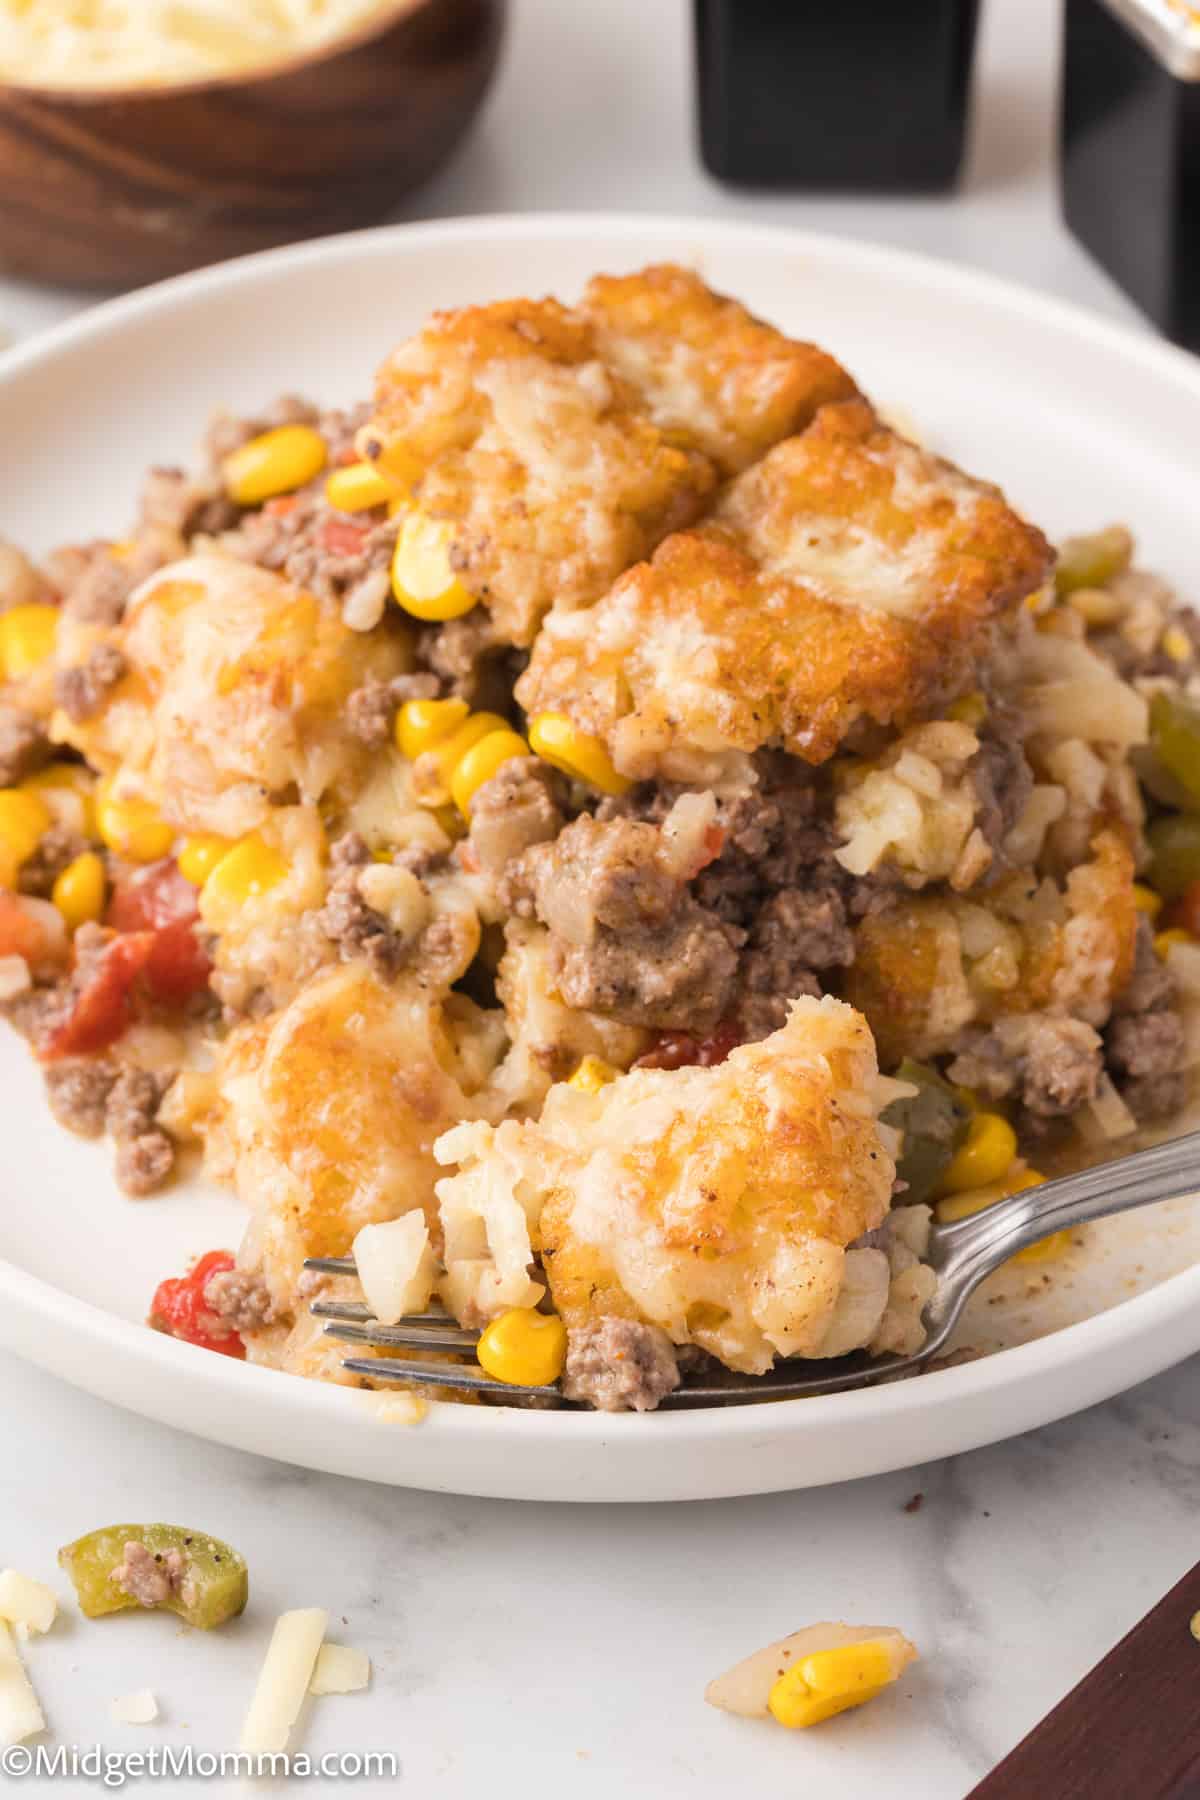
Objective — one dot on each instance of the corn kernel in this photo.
(986, 1156)
(398, 505)
(23, 819)
(357, 488)
(249, 869)
(200, 854)
(592, 1074)
(27, 638)
(1040, 600)
(1096, 606)
(420, 724)
(131, 828)
(554, 738)
(1146, 900)
(423, 581)
(480, 763)
(79, 890)
(971, 710)
(275, 462)
(74, 778)
(832, 1681)
(1177, 644)
(524, 1348)
(434, 771)
(1165, 941)
(1047, 1249)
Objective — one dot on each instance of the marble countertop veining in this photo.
(524, 1649)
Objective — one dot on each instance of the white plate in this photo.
(1080, 421)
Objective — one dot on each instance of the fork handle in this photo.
(968, 1250)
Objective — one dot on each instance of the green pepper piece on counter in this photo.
(1175, 742)
(1174, 842)
(934, 1123)
(185, 1572)
(1092, 561)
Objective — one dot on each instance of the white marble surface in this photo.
(547, 1649)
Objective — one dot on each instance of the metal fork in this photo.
(961, 1254)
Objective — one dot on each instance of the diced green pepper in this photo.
(1174, 842)
(934, 1123)
(185, 1572)
(1175, 741)
(1092, 561)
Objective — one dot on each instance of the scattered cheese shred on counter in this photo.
(151, 43)
(140, 1708)
(24, 1601)
(20, 1714)
(340, 1670)
(283, 1680)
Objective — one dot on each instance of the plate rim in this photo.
(30, 1305)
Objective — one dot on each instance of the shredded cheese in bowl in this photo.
(152, 43)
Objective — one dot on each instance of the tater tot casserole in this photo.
(606, 832)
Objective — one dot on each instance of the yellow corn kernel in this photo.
(592, 1074)
(200, 854)
(1177, 644)
(420, 724)
(480, 763)
(554, 738)
(249, 869)
(1165, 941)
(76, 779)
(524, 1348)
(1047, 1250)
(423, 581)
(1040, 600)
(131, 828)
(1146, 900)
(972, 710)
(1096, 605)
(435, 769)
(27, 637)
(79, 891)
(357, 488)
(398, 505)
(275, 462)
(23, 819)
(831, 1681)
(986, 1156)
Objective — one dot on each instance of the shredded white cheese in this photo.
(20, 1714)
(150, 43)
(24, 1601)
(140, 1708)
(283, 1679)
(340, 1670)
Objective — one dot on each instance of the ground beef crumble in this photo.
(83, 690)
(78, 1090)
(371, 708)
(353, 926)
(58, 847)
(24, 745)
(152, 1579)
(242, 1300)
(519, 807)
(1144, 1044)
(619, 1365)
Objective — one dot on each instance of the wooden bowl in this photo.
(110, 188)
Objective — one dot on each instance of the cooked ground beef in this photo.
(510, 813)
(78, 1092)
(460, 652)
(797, 934)
(172, 500)
(1156, 1097)
(356, 928)
(96, 584)
(133, 1102)
(371, 708)
(242, 1300)
(304, 542)
(58, 847)
(1151, 984)
(83, 690)
(144, 1163)
(350, 851)
(227, 432)
(1135, 663)
(626, 937)
(150, 1579)
(24, 745)
(1003, 782)
(619, 1365)
(1144, 1043)
(1050, 1064)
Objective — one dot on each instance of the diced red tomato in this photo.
(180, 1309)
(342, 537)
(159, 899)
(1184, 913)
(280, 506)
(346, 456)
(680, 1050)
(104, 1005)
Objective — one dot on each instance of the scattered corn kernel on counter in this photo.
(608, 834)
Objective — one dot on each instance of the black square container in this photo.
(860, 94)
(1131, 152)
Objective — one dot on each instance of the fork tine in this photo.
(403, 1337)
(331, 1265)
(449, 1375)
(353, 1312)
